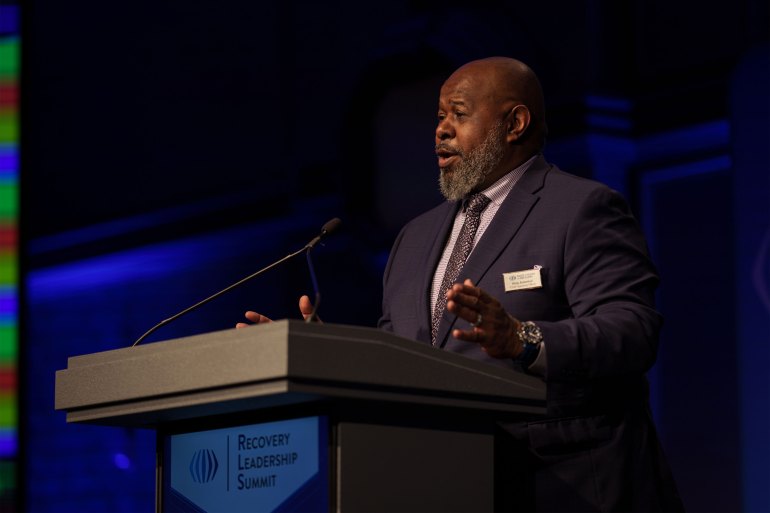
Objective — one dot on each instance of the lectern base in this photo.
(376, 457)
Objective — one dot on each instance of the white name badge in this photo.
(522, 280)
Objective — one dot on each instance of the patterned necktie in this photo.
(460, 252)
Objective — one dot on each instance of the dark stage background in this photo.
(171, 148)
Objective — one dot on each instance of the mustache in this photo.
(448, 147)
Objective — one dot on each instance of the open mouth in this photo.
(446, 158)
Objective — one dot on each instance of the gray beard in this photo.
(474, 167)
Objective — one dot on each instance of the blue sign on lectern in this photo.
(267, 467)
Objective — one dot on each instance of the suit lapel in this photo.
(510, 216)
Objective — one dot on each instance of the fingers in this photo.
(257, 317)
(472, 335)
(254, 317)
(466, 300)
(469, 303)
(467, 293)
(305, 306)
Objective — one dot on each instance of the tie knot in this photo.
(475, 204)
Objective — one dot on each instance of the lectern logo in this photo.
(203, 466)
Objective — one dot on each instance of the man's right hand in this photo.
(254, 318)
(305, 308)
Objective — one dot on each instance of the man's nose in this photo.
(444, 130)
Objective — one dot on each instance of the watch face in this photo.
(530, 333)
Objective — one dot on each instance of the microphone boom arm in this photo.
(214, 296)
(327, 229)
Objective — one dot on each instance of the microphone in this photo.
(327, 229)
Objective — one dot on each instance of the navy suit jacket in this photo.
(597, 449)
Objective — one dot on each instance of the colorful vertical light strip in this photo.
(9, 278)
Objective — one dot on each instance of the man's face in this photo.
(470, 169)
(470, 138)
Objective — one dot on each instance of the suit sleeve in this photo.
(610, 284)
(385, 322)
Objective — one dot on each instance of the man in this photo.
(558, 283)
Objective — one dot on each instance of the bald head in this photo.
(508, 82)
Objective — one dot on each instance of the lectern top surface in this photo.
(285, 359)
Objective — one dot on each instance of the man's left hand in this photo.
(492, 328)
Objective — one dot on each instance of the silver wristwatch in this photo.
(531, 337)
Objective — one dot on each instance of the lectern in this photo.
(291, 416)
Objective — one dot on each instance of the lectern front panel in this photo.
(275, 466)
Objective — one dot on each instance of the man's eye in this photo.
(459, 114)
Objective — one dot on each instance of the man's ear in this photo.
(517, 122)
